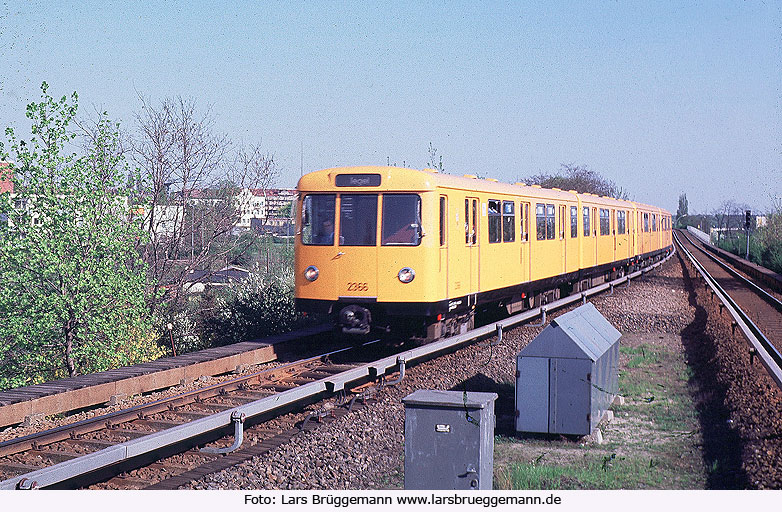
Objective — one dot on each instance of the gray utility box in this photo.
(567, 377)
(449, 439)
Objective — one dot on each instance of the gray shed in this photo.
(567, 377)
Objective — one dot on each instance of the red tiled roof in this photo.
(6, 185)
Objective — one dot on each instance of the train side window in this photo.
(317, 219)
(605, 228)
(443, 219)
(358, 220)
(573, 221)
(474, 230)
(508, 222)
(654, 222)
(467, 221)
(620, 222)
(524, 212)
(401, 219)
(562, 222)
(550, 222)
(540, 224)
(495, 221)
(646, 222)
(586, 221)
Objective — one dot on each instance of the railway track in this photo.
(24, 405)
(161, 445)
(755, 312)
(64, 456)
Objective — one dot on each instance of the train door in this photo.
(357, 244)
(526, 250)
(595, 231)
(562, 237)
(471, 206)
(641, 234)
(612, 220)
(444, 243)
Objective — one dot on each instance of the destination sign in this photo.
(357, 180)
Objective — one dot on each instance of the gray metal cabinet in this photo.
(567, 376)
(449, 440)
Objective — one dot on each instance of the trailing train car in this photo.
(420, 251)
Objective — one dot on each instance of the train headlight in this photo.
(311, 273)
(406, 275)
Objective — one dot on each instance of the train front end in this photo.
(362, 244)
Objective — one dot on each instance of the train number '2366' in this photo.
(358, 287)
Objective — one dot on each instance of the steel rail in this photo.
(769, 355)
(90, 463)
(64, 432)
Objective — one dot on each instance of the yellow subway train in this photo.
(419, 251)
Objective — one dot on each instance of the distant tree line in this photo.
(579, 178)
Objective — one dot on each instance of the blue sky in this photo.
(660, 97)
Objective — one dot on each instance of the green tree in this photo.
(579, 178)
(683, 206)
(434, 162)
(71, 282)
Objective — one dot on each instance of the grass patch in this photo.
(654, 441)
(595, 471)
(642, 355)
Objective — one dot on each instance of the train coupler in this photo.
(355, 320)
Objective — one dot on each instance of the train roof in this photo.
(400, 178)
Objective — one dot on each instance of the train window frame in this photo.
(495, 220)
(414, 229)
(443, 220)
(562, 209)
(585, 215)
(621, 222)
(508, 221)
(540, 221)
(573, 221)
(545, 221)
(646, 222)
(524, 224)
(605, 222)
(309, 219)
(654, 222)
(474, 212)
(467, 221)
(369, 220)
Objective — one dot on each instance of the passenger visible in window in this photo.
(325, 236)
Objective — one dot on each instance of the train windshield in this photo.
(358, 219)
(317, 219)
(401, 219)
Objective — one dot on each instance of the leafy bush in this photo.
(263, 305)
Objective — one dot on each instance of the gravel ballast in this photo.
(365, 449)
